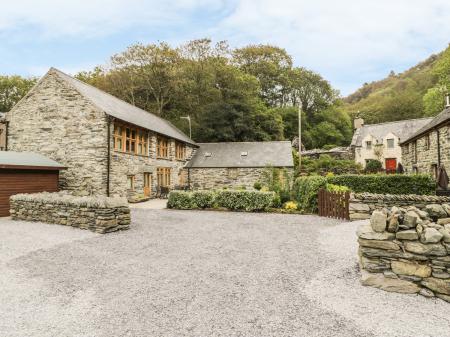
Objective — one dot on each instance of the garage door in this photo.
(24, 181)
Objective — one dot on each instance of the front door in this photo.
(391, 165)
(147, 184)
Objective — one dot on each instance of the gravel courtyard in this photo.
(191, 273)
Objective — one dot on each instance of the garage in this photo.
(26, 172)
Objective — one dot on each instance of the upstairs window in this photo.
(130, 140)
(180, 151)
(390, 143)
(369, 145)
(427, 142)
(162, 148)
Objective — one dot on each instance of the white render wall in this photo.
(362, 153)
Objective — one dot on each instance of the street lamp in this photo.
(299, 137)
(190, 127)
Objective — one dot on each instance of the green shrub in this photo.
(276, 201)
(306, 191)
(373, 166)
(203, 199)
(257, 185)
(181, 200)
(245, 200)
(387, 183)
(326, 164)
(337, 188)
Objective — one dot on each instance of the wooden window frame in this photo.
(180, 151)
(162, 147)
(131, 182)
(163, 176)
(130, 139)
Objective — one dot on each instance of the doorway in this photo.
(147, 184)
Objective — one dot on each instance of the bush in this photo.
(203, 199)
(245, 200)
(337, 188)
(387, 183)
(306, 191)
(327, 164)
(373, 166)
(181, 200)
(276, 202)
(257, 185)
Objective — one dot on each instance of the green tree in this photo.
(12, 89)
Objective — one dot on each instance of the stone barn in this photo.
(236, 164)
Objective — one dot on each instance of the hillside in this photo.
(398, 96)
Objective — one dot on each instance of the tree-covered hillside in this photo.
(417, 92)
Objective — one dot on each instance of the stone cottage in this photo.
(428, 148)
(382, 141)
(108, 146)
(236, 164)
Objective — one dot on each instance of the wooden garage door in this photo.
(24, 181)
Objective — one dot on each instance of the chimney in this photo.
(447, 100)
(358, 123)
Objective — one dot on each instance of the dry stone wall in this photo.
(363, 204)
(407, 250)
(98, 214)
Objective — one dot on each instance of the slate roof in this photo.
(259, 154)
(402, 129)
(124, 111)
(443, 117)
(27, 159)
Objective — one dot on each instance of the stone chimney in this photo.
(358, 123)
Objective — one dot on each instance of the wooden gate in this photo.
(334, 204)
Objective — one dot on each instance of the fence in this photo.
(334, 204)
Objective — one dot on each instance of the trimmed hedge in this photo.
(306, 189)
(387, 183)
(230, 199)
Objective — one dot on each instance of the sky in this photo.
(348, 42)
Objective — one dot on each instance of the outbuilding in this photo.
(26, 172)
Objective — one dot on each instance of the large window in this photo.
(162, 148)
(130, 139)
(180, 151)
(163, 176)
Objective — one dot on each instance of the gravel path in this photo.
(189, 273)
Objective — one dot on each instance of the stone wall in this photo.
(427, 157)
(53, 119)
(363, 204)
(211, 178)
(98, 214)
(407, 250)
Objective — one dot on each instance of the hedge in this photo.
(306, 189)
(230, 199)
(387, 183)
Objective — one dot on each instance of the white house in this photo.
(382, 141)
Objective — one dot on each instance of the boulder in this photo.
(443, 221)
(374, 252)
(378, 221)
(437, 285)
(379, 244)
(388, 284)
(436, 211)
(409, 234)
(366, 232)
(445, 235)
(374, 265)
(358, 207)
(435, 249)
(393, 223)
(410, 268)
(446, 208)
(411, 219)
(430, 235)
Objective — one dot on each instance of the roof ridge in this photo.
(399, 121)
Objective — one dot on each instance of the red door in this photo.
(391, 165)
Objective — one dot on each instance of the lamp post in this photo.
(190, 127)
(299, 137)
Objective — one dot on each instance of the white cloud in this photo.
(347, 41)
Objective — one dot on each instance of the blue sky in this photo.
(349, 42)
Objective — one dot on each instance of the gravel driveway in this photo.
(190, 273)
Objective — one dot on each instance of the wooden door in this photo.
(147, 184)
(391, 165)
